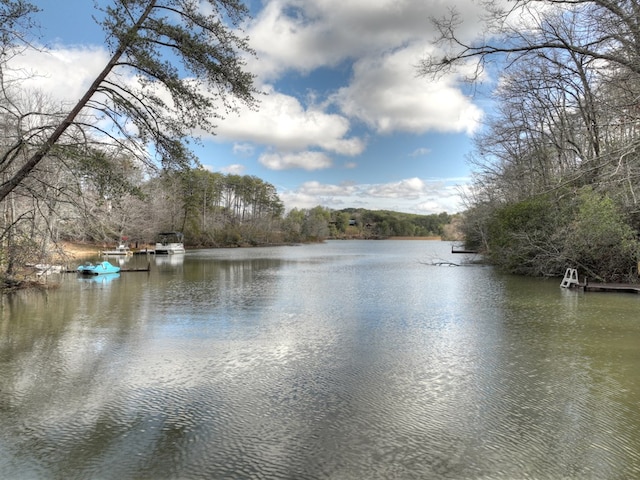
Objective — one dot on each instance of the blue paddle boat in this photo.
(99, 269)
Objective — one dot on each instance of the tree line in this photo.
(557, 164)
(213, 209)
(319, 223)
(110, 201)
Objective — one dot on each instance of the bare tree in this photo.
(161, 43)
(561, 148)
(600, 30)
(15, 21)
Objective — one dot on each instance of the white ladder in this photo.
(570, 278)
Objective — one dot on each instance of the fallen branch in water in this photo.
(448, 264)
(440, 263)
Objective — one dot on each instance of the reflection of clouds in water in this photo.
(352, 359)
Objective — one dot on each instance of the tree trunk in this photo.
(33, 161)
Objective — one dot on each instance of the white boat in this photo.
(119, 250)
(169, 243)
(47, 269)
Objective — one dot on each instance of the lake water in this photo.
(344, 360)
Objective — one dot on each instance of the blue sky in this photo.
(346, 122)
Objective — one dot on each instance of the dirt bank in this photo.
(79, 250)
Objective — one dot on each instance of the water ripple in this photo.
(335, 362)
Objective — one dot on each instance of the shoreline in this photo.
(74, 250)
(416, 238)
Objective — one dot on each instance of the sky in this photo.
(346, 122)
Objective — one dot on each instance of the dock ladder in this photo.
(570, 278)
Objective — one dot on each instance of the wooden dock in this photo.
(571, 280)
(610, 287)
(122, 270)
(463, 250)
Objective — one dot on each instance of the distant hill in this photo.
(360, 222)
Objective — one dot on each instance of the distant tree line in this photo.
(557, 166)
(210, 208)
(319, 223)
(219, 210)
(105, 199)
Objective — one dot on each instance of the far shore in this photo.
(81, 250)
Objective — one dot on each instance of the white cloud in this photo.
(282, 41)
(386, 36)
(386, 39)
(386, 94)
(243, 149)
(305, 160)
(233, 169)
(412, 195)
(301, 35)
(420, 152)
(409, 188)
(63, 73)
(319, 189)
(282, 122)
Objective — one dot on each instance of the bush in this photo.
(542, 236)
(600, 241)
(521, 235)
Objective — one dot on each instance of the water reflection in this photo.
(99, 279)
(120, 260)
(172, 260)
(344, 360)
